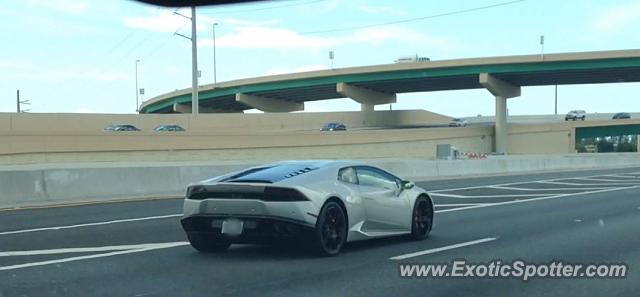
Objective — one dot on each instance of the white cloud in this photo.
(386, 10)
(280, 38)
(67, 6)
(274, 38)
(250, 23)
(168, 21)
(159, 21)
(618, 18)
(297, 69)
(404, 35)
(36, 72)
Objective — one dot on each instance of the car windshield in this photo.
(319, 148)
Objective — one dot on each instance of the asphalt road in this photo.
(139, 249)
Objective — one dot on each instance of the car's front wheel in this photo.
(421, 218)
(331, 230)
(208, 243)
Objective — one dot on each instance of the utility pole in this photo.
(20, 102)
(194, 64)
(556, 99)
(542, 47)
(194, 59)
(331, 56)
(137, 102)
(214, 53)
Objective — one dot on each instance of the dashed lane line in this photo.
(149, 247)
(91, 224)
(444, 248)
(545, 189)
(535, 199)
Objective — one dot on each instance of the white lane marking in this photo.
(520, 182)
(42, 263)
(546, 189)
(613, 181)
(622, 176)
(536, 199)
(444, 248)
(79, 250)
(90, 224)
(581, 184)
(486, 196)
(459, 204)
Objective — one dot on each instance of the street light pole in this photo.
(194, 64)
(214, 53)
(20, 102)
(137, 102)
(556, 97)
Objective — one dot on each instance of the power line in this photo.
(262, 8)
(413, 19)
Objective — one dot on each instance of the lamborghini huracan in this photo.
(321, 203)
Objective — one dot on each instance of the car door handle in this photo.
(368, 198)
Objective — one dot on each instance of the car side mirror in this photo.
(406, 185)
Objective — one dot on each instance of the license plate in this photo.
(232, 227)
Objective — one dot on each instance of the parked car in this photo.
(169, 128)
(304, 201)
(333, 127)
(575, 115)
(458, 123)
(120, 127)
(621, 115)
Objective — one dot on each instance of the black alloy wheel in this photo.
(421, 219)
(331, 230)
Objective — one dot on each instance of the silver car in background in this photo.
(322, 203)
(576, 115)
(457, 122)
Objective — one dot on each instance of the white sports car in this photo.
(322, 203)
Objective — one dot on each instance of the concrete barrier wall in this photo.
(21, 149)
(51, 124)
(46, 184)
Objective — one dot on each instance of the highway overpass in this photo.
(372, 85)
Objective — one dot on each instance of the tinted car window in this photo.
(348, 175)
(373, 177)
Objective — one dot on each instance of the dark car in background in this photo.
(621, 116)
(120, 127)
(333, 127)
(169, 128)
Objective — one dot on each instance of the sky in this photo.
(79, 56)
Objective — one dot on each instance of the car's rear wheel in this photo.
(421, 218)
(331, 230)
(208, 243)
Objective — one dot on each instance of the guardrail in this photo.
(54, 184)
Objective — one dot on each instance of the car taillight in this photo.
(283, 194)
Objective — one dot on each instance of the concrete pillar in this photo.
(366, 107)
(364, 96)
(502, 90)
(267, 104)
(501, 132)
